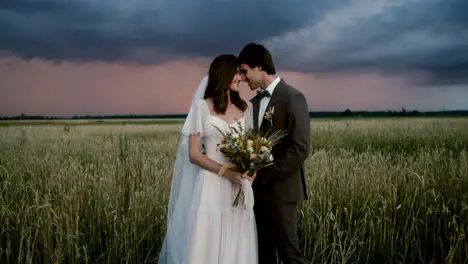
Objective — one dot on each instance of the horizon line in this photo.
(184, 114)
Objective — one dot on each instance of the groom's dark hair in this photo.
(254, 55)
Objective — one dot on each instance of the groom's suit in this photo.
(278, 188)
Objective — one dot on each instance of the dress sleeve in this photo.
(194, 124)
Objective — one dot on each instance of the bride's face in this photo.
(235, 82)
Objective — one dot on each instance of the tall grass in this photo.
(380, 191)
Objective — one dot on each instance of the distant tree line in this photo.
(390, 113)
(318, 114)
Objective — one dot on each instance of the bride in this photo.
(203, 227)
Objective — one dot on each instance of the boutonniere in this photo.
(269, 114)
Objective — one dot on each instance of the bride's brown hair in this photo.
(220, 76)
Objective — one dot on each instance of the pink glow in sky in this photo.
(65, 89)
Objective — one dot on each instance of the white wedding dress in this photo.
(222, 234)
(203, 226)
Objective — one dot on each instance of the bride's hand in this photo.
(234, 176)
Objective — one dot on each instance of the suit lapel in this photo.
(256, 110)
(273, 100)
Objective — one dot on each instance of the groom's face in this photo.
(253, 77)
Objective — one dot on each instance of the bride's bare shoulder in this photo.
(209, 103)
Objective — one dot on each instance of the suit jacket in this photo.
(285, 180)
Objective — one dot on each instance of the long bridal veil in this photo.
(175, 246)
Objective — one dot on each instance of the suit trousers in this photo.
(277, 233)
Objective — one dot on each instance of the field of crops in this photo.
(381, 191)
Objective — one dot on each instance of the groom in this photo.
(278, 188)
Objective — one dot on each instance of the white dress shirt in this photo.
(265, 100)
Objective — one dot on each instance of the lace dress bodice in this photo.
(201, 121)
(212, 137)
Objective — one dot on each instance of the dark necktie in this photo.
(262, 93)
(256, 105)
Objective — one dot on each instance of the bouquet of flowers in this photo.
(247, 151)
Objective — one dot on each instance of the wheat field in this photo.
(381, 191)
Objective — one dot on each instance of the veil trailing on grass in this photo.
(175, 246)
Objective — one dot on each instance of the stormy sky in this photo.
(340, 53)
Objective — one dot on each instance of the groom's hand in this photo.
(250, 178)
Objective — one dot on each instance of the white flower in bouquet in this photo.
(264, 149)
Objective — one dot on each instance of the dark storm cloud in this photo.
(390, 36)
(144, 31)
